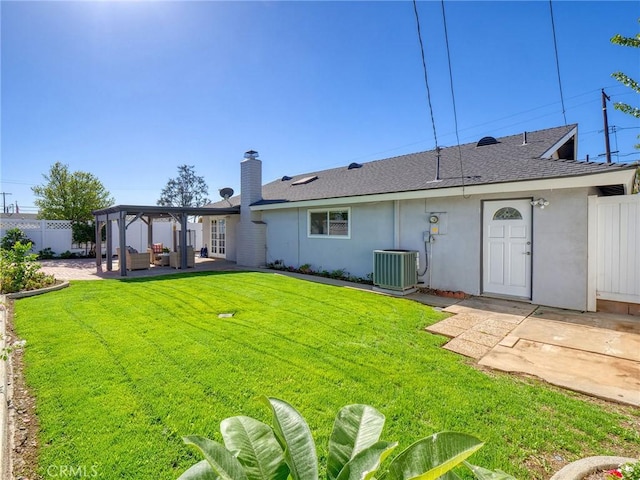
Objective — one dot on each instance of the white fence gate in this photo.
(614, 242)
(53, 234)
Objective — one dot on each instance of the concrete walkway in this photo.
(593, 353)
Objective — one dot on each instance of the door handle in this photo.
(527, 253)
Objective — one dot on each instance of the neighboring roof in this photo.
(19, 216)
(508, 160)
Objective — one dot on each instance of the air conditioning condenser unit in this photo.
(395, 271)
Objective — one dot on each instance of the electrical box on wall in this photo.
(437, 223)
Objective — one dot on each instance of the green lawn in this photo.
(121, 370)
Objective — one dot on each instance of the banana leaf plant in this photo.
(253, 450)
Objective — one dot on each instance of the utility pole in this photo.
(4, 201)
(607, 148)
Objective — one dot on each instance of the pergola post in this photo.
(183, 241)
(97, 226)
(109, 234)
(122, 234)
(149, 223)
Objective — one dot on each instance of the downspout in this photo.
(299, 235)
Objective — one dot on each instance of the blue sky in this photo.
(130, 90)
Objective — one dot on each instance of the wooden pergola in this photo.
(147, 214)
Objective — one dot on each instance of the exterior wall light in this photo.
(541, 202)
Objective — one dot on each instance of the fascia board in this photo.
(622, 176)
(559, 143)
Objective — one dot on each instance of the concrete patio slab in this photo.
(494, 327)
(465, 320)
(580, 337)
(467, 348)
(611, 321)
(593, 353)
(476, 336)
(446, 329)
(494, 306)
(595, 374)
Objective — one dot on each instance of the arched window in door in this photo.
(507, 213)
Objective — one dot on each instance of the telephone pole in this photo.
(607, 148)
(4, 201)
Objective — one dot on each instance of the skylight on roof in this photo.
(305, 180)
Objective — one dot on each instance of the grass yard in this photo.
(121, 370)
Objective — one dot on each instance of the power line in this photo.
(555, 46)
(453, 96)
(426, 79)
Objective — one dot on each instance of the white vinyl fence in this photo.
(615, 235)
(54, 234)
(164, 232)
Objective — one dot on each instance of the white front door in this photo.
(218, 238)
(506, 247)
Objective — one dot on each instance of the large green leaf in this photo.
(254, 444)
(295, 436)
(222, 462)
(367, 462)
(200, 471)
(485, 474)
(433, 456)
(356, 428)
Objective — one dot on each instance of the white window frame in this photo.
(328, 211)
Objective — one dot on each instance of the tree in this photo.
(70, 196)
(187, 190)
(625, 79)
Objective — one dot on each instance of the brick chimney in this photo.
(252, 232)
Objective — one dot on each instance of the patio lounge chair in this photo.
(174, 258)
(157, 255)
(135, 261)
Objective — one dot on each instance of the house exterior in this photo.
(500, 217)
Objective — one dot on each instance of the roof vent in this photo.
(354, 165)
(305, 180)
(285, 178)
(486, 141)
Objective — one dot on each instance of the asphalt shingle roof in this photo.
(506, 161)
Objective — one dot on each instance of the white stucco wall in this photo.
(454, 256)
(560, 250)
(559, 242)
(371, 229)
